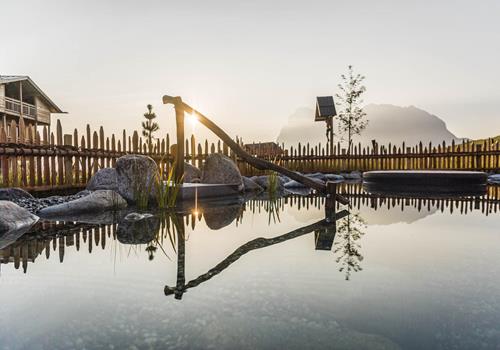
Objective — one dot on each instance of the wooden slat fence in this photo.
(35, 159)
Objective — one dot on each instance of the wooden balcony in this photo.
(13, 107)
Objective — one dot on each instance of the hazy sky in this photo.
(250, 64)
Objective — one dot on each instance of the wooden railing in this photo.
(36, 160)
(13, 105)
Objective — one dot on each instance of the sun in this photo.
(192, 119)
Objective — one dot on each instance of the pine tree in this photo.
(351, 117)
(149, 126)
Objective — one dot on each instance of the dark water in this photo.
(393, 273)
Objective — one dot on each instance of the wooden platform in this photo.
(197, 190)
(426, 183)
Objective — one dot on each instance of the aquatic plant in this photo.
(167, 190)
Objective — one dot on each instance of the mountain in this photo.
(387, 123)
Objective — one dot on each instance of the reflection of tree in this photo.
(349, 232)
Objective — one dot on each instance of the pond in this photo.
(392, 273)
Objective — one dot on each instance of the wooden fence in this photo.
(37, 160)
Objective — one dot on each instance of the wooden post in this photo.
(68, 163)
(179, 155)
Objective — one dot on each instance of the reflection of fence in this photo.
(487, 204)
(32, 159)
(53, 238)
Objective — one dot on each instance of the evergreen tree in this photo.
(149, 126)
(351, 117)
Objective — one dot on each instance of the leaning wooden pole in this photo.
(261, 164)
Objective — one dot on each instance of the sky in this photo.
(250, 64)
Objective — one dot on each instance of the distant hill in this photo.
(388, 123)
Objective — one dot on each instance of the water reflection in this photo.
(343, 237)
(350, 229)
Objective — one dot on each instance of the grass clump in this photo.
(167, 189)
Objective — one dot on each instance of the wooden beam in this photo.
(258, 163)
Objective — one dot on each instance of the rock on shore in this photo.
(95, 202)
(219, 169)
(13, 217)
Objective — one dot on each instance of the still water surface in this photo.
(399, 274)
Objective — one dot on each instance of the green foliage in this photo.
(167, 189)
(272, 184)
(351, 118)
(149, 126)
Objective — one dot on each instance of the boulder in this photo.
(263, 181)
(104, 179)
(251, 186)
(219, 169)
(14, 194)
(13, 217)
(296, 184)
(191, 173)
(494, 179)
(334, 177)
(96, 202)
(355, 175)
(135, 174)
(137, 216)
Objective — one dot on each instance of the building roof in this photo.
(325, 108)
(6, 79)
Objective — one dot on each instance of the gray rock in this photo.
(104, 179)
(296, 184)
(219, 169)
(137, 216)
(14, 194)
(263, 181)
(95, 202)
(494, 179)
(251, 186)
(355, 175)
(334, 177)
(191, 173)
(135, 174)
(13, 217)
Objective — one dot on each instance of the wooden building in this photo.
(20, 98)
(264, 149)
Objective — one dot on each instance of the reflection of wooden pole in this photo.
(179, 156)
(181, 258)
(331, 192)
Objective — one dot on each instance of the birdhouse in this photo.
(325, 108)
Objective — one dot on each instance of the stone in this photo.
(191, 173)
(251, 186)
(494, 179)
(219, 169)
(334, 177)
(96, 202)
(136, 174)
(13, 217)
(263, 181)
(14, 194)
(296, 184)
(355, 175)
(104, 179)
(137, 216)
